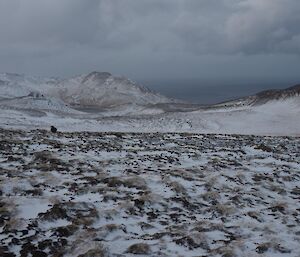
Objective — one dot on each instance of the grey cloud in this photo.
(204, 26)
(131, 31)
(47, 24)
(263, 26)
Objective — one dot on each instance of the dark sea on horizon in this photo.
(209, 92)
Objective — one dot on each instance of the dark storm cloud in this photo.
(137, 30)
(47, 23)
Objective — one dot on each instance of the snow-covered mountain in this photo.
(104, 90)
(97, 89)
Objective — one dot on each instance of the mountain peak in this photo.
(96, 75)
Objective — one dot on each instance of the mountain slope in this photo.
(99, 89)
(279, 94)
(17, 85)
(264, 97)
(36, 102)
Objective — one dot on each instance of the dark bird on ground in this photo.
(53, 129)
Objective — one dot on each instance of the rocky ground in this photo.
(112, 194)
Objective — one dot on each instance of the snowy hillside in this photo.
(98, 89)
(17, 85)
(104, 90)
(264, 97)
(32, 102)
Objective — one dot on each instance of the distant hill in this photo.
(98, 89)
(276, 94)
(101, 89)
(264, 97)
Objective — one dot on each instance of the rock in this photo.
(39, 254)
(262, 248)
(66, 231)
(139, 248)
(4, 252)
(264, 148)
(98, 252)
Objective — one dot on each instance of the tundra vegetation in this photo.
(122, 194)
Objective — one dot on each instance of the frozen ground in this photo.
(273, 118)
(122, 194)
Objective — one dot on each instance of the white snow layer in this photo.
(274, 118)
(121, 105)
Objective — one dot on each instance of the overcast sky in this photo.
(151, 38)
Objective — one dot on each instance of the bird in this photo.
(53, 129)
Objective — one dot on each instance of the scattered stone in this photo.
(140, 248)
(264, 147)
(262, 248)
(97, 252)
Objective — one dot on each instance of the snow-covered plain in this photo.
(123, 194)
(273, 118)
